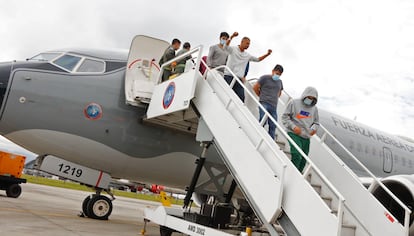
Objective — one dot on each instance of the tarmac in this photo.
(44, 210)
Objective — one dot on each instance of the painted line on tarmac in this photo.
(44, 214)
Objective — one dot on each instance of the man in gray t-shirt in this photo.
(269, 88)
(217, 55)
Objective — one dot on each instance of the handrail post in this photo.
(323, 138)
(307, 170)
(340, 215)
(407, 222)
(264, 119)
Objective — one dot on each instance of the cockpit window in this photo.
(90, 65)
(45, 56)
(67, 61)
(72, 62)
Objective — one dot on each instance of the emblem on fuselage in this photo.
(168, 95)
(93, 111)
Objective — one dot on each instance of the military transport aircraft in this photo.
(82, 106)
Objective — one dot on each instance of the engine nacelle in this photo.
(403, 187)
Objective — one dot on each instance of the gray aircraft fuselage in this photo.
(383, 154)
(44, 111)
(83, 118)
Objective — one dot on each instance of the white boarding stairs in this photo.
(270, 182)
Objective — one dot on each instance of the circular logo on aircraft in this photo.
(168, 95)
(93, 111)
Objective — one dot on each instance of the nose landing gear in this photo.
(97, 206)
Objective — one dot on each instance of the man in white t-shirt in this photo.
(237, 61)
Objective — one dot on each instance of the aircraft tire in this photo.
(99, 207)
(13, 190)
(85, 205)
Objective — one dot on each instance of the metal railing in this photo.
(198, 49)
(375, 179)
(281, 130)
(285, 135)
(264, 138)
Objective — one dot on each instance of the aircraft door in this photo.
(388, 160)
(142, 70)
(5, 69)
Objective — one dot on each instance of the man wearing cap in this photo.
(269, 88)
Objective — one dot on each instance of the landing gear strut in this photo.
(97, 206)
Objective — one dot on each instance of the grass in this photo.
(77, 186)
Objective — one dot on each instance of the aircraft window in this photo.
(403, 161)
(359, 147)
(67, 61)
(45, 56)
(89, 65)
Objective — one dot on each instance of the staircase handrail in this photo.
(375, 179)
(283, 132)
(198, 49)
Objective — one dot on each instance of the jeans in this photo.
(272, 110)
(237, 88)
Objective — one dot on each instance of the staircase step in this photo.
(317, 187)
(328, 201)
(280, 142)
(309, 177)
(279, 230)
(288, 154)
(348, 230)
(281, 145)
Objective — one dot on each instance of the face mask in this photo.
(275, 77)
(308, 101)
(223, 42)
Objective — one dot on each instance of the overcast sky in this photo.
(359, 54)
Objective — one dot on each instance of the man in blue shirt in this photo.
(269, 88)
